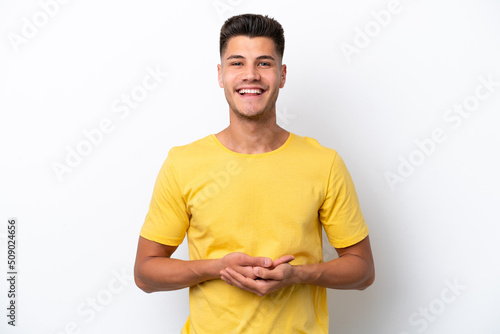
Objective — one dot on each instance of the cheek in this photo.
(228, 80)
(274, 80)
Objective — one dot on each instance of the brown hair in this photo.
(252, 25)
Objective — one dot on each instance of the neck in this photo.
(251, 136)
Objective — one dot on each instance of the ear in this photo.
(283, 76)
(219, 76)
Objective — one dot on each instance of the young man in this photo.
(253, 199)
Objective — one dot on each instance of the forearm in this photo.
(165, 274)
(347, 272)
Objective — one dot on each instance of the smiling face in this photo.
(251, 74)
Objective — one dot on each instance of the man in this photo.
(253, 199)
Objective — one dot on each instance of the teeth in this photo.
(250, 91)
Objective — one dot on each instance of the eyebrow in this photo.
(259, 57)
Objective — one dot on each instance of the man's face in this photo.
(251, 74)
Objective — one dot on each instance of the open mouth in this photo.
(250, 92)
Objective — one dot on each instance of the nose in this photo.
(251, 73)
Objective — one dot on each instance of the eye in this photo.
(236, 64)
(265, 64)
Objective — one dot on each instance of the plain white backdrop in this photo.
(93, 94)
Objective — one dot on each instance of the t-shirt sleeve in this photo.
(167, 220)
(340, 212)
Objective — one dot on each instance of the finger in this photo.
(224, 278)
(223, 274)
(283, 259)
(234, 278)
(258, 287)
(260, 272)
(243, 259)
(246, 271)
(275, 274)
(262, 262)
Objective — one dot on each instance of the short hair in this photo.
(252, 25)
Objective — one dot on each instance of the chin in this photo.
(251, 115)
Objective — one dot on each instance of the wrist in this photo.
(214, 268)
(218, 265)
(206, 269)
(297, 274)
(304, 274)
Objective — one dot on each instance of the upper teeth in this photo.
(250, 91)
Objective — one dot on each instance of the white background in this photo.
(435, 226)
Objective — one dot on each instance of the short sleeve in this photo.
(340, 212)
(167, 220)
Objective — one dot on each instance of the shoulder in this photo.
(183, 154)
(200, 145)
(194, 153)
(312, 148)
(191, 158)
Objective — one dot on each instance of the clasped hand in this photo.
(259, 275)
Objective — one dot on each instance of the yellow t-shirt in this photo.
(269, 204)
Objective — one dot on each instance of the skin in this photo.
(251, 63)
